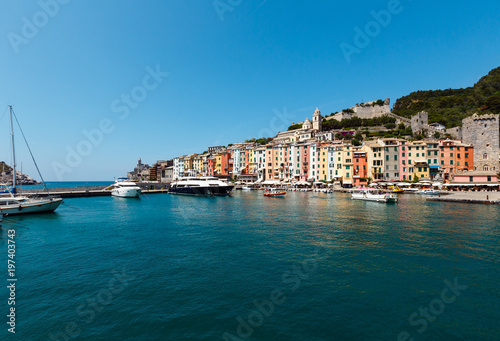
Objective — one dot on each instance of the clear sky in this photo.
(98, 84)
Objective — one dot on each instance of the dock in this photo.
(89, 191)
(489, 198)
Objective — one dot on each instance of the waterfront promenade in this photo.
(492, 197)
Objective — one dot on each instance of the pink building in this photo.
(479, 178)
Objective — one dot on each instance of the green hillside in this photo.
(450, 106)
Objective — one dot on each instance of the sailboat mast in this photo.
(13, 149)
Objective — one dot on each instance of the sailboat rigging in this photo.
(14, 204)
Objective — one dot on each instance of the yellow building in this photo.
(323, 161)
(375, 160)
(417, 159)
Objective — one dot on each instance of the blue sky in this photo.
(202, 73)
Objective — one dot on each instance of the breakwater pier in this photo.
(90, 191)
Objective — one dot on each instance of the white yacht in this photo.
(125, 189)
(201, 186)
(370, 194)
(427, 191)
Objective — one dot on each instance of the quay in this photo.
(491, 198)
(89, 191)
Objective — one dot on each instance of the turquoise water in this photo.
(310, 266)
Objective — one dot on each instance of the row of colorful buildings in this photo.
(388, 159)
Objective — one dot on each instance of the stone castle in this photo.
(482, 132)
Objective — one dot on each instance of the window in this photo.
(489, 178)
(471, 179)
(395, 158)
(451, 154)
(435, 152)
(420, 169)
(451, 162)
(387, 158)
(403, 155)
(442, 162)
(409, 154)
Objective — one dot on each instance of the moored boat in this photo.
(393, 189)
(427, 191)
(201, 186)
(275, 194)
(125, 189)
(13, 204)
(370, 194)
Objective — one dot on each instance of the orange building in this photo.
(360, 173)
(455, 157)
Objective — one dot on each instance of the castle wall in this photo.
(371, 112)
(482, 132)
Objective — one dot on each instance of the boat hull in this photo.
(38, 206)
(275, 195)
(126, 192)
(375, 197)
(206, 191)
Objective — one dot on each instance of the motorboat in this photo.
(125, 189)
(427, 191)
(13, 204)
(393, 189)
(275, 194)
(371, 194)
(201, 186)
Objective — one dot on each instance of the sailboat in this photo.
(15, 204)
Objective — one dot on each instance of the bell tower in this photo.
(317, 120)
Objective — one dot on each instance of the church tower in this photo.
(317, 120)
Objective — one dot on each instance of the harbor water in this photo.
(310, 266)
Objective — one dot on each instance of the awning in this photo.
(271, 182)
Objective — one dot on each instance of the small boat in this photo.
(125, 189)
(370, 194)
(393, 189)
(201, 186)
(246, 188)
(275, 194)
(427, 191)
